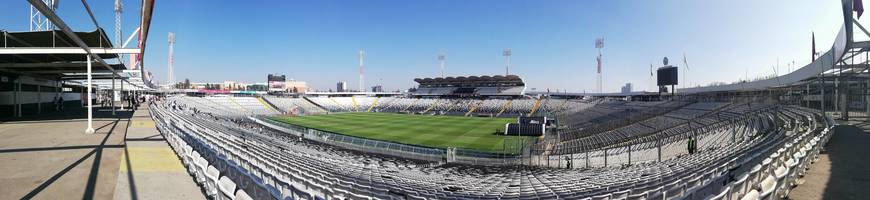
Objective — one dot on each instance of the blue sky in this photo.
(553, 41)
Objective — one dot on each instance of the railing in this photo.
(662, 145)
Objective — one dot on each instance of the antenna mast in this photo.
(599, 44)
(39, 22)
(441, 58)
(118, 42)
(362, 55)
(171, 57)
(507, 56)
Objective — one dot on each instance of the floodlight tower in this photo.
(507, 57)
(441, 58)
(362, 56)
(39, 22)
(118, 41)
(599, 44)
(171, 57)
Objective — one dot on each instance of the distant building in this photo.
(377, 88)
(626, 88)
(341, 86)
(295, 86)
(257, 87)
(232, 85)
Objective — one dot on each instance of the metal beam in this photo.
(48, 13)
(67, 50)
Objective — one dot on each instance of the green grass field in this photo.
(476, 133)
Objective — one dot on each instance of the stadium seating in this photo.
(243, 159)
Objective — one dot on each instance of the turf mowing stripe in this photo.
(425, 130)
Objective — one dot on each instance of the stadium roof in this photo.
(471, 80)
(843, 46)
(52, 54)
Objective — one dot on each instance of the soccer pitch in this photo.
(478, 133)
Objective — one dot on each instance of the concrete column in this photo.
(38, 99)
(587, 159)
(16, 93)
(112, 98)
(822, 89)
(864, 91)
(122, 94)
(844, 86)
(807, 96)
(90, 129)
(659, 147)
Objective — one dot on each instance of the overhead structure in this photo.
(118, 11)
(836, 80)
(171, 78)
(507, 57)
(362, 83)
(441, 58)
(599, 44)
(822, 64)
(54, 56)
(469, 86)
(38, 21)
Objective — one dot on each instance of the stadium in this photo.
(483, 136)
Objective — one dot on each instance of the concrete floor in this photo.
(50, 157)
(150, 169)
(843, 172)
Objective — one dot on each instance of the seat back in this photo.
(227, 186)
(242, 195)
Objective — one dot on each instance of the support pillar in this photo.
(864, 92)
(659, 147)
(112, 97)
(16, 87)
(822, 89)
(90, 129)
(38, 99)
(122, 93)
(807, 96)
(587, 159)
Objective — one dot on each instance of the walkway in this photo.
(50, 157)
(149, 167)
(844, 171)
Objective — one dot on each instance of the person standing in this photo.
(60, 104)
(691, 145)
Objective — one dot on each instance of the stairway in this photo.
(268, 104)
(431, 106)
(535, 107)
(373, 104)
(473, 108)
(409, 105)
(505, 107)
(353, 101)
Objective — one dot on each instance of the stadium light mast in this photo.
(441, 58)
(39, 22)
(599, 44)
(171, 58)
(362, 56)
(507, 57)
(118, 42)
